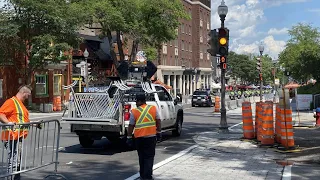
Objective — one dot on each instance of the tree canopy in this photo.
(301, 56)
(245, 67)
(41, 30)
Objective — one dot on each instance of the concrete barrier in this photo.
(239, 102)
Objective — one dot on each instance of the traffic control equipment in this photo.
(248, 129)
(217, 104)
(278, 124)
(287, 139)
(267, 130)
(258, 120)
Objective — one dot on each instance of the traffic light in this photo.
(223, 62)
(223, 41)
(87, 69)
(259, 68)
(213, 42)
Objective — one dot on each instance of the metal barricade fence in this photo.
(28, 147)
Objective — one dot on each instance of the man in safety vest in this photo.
(14, 112)
(146, 123)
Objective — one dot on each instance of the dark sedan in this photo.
(201, 98)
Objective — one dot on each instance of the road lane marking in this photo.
(231, 127)
(287, 173)
(166, 161)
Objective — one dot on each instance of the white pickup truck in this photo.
(96, 115)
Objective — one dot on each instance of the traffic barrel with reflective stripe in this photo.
(278, 124)
(248, 129)
(267, 132)
(217, 104)
(287, 139)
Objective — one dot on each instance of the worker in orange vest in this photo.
(146, 123)
(14, 112)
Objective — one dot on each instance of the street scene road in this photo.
(114, 161)
(160, 89)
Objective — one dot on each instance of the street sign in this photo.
(83, 70)
(276, 81)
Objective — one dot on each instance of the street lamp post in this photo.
(261, 49)
(222, 12)
(86, 55)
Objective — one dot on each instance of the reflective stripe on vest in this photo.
(19, 111)
(144, 114)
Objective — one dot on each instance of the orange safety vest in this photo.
(16, 112)
(145, 117)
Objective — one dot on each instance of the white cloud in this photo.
(243, 18)
(275, 31)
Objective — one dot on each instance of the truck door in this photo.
(171, 107)
(163, 109)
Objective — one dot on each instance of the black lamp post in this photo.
(223, 11)
(261, 49)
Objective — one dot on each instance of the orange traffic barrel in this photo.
(217, 104)
(248, 129)
(287, 139)
(258, 120)
(278, 124)
(267, 132)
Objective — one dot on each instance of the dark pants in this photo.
(146, 148)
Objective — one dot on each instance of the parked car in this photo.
(201, 98)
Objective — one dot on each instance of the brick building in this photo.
(185, 63)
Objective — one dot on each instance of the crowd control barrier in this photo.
(28, 147)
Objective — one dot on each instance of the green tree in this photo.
(242, 67)
(40, 30)
(145, 22)
(301, 56)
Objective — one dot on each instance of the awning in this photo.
(291, 85)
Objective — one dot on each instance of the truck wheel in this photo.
(86, 141)
(178, 126)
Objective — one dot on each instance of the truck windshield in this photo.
(130, 95)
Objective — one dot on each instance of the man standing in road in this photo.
(14, 112)
(147, 129)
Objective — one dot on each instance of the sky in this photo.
(252, 22)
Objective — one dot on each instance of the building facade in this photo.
(185, 62)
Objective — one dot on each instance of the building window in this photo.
(182, 45)
(182, 28)
(1, 89)
(164, 60)
(164, 49)
(170, 43)
(208, 56)
(201, 55)
(41, 85)
(57, 84)
(190, 30)
(176, 61)
(176, 43)
(208, 26)
(190, 47)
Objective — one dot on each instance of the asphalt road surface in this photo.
(112, 161)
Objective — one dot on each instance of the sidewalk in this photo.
(223, 156)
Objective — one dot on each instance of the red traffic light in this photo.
(222, 32)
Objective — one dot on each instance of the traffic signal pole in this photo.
(261, 81)
(223, 120)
